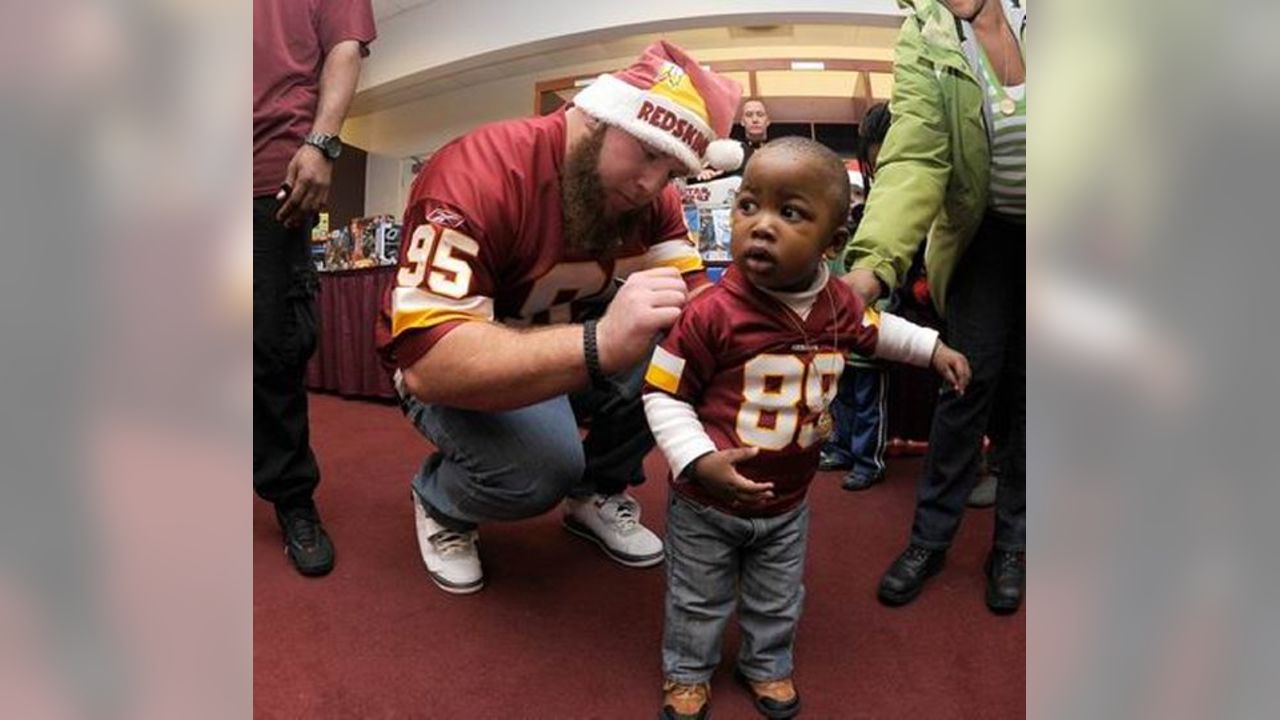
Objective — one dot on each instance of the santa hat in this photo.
(668, 101)
(854, 169)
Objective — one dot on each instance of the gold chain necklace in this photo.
(826, 423)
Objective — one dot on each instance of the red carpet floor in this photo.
(561, 632)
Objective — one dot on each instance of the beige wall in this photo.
(382, 193)
(421, 126)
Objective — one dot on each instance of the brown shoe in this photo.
(685, 702)
(775, 699)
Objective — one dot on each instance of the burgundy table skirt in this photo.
(912, 394)
(345, 361)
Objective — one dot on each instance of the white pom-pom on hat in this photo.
(724, 155)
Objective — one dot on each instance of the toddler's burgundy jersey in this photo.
(759, 376)
(483, 240)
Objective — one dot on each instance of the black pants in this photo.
(986, 320)
(284, 336)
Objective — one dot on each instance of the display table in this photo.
(345, 361)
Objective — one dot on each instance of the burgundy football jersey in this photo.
(760, 376)
(483, 240)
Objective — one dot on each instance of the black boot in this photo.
(905, 578)
(1006, 578)
(305, 540)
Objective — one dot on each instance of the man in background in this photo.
(306, 62)
(755, 124)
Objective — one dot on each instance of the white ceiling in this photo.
(557, 63)
(383, 9)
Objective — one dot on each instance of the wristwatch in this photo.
(330, 145)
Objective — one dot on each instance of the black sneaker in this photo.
(1006, 579)
(905, 578)
(305, 541)
(859, 481)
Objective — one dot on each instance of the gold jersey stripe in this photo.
(423, 319)
(662, 379)
(871, 317)
(683, 264)
(665, 370)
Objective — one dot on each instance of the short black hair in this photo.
(828, 164)
(872, 131)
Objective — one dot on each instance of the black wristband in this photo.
(591, 350)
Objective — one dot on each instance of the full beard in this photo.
(587, 229)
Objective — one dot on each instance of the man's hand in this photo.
(865, 283)
(952, 366)
(307, 181)
(716, 472)
(708, 174)
(648, 303)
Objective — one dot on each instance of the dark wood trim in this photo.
(563, 83)
(346, 186)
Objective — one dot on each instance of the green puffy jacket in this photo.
(934, 169)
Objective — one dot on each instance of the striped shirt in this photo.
(1008, 145)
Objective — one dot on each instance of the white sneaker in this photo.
(613, 523)
(452, 558)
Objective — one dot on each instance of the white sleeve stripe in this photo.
(904, 341)
(412, 299)
(677, 430)
(669, 249)
(673, 364)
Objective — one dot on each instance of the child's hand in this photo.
(715, 472)
(952, 366)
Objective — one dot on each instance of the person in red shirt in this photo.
(506, 324)
(306, 62)
(737, 396)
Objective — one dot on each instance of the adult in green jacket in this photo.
(953, 169)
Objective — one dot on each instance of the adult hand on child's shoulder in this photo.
(865, 283)
(952, 366)
(716, 472)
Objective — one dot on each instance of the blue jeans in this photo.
(716, 561)
(520, 463)
(861, 417)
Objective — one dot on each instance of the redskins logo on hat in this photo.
(668, 101)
